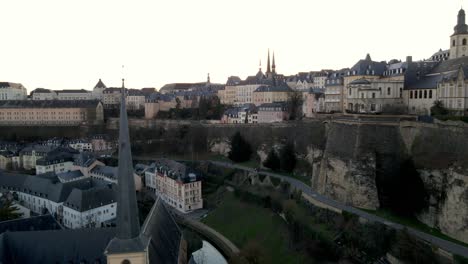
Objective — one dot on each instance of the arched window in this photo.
(126, 261)
(389, 90)
(464, 42)
(411, 95)
(453, 43)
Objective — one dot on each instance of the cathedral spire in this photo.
(128, 225)
(273, 66)
(268, 62)
(260, 66)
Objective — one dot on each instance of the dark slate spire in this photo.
(100, 84)
(208, 78)
(368, 58)
(461, 27)
(273, 66)
(128, 225)
(268, 62)
(260, 66)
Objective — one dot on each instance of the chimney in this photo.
(409, 59)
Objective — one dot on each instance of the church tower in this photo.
(128, 246)
(458, 41)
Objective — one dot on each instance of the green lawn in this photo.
(414, 223)
(241, 222)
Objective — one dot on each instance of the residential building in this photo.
(6, 159)
(56, 161)
(31, 154)
(12, 91)
(314, 102)
(111, 97)
(334, 89)
(364, 69)
(80, 203)
(80, 145)
(101, 142)
(50, 113)
(241, 114)
(270, 94)
(159, 102)
(175, 184)
(452, 91)
(135, 99)
(74, 95)
(43, 94)
(272, 112)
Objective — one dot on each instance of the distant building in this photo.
(334, 89)
(55, 161)
(271, 94)
(272, 112)
(314, 102)
(135, 99)
(174, 183)
(242, 114)
(12, 91)
(98, 90)
(50, 113)
(74, 95)
(43, 94)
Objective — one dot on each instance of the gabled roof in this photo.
(367, 66)
(84, 200)
(35, 223)
(161, 227)
(100, 84)
(56, 246)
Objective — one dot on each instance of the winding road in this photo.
(443, 244)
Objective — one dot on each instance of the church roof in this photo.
(55, 246)
(161, 227)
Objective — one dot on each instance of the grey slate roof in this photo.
(100, 84)
(83, 200)
(49, 104)
(55, 246)
(70, 175)
(106, 171)
(161, 227)
(11, 85)
(366, 66)
(35, 223)
(277, 88)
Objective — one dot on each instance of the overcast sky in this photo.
(62, 44)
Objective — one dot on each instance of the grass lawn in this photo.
(241, 222)
(414, 223)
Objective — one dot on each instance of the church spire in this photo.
(268, 62)
(260, 66)
(273, 66)
(128, 225)
(461, 27)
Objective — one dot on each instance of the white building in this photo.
(175, 184)
(43, 94)
(74, 95)
(12, 91)
(76, 204)
(81, 145)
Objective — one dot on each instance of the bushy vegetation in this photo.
(208, 109)
(294, 105)
(286, 161)
(8, 210)
(240, 149)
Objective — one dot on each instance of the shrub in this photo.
(287, 158)
(240, 149)
(272, 161)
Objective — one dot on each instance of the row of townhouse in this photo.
(369, 86)
(176, 184)
(75, 204)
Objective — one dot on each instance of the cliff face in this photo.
(356, 163)
(441, 156)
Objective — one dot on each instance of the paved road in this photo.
(444, 244)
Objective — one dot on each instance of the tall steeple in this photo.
(260, 66)
(461, 27)
(128, 225)
(273, 66)
(268, 62)
(208, 78)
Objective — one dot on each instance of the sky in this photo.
(63, 44)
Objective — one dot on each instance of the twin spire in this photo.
(271, 69)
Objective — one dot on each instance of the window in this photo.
(430, 93)
(401, 92)
(464, 42)
(425, 94)
(416, 94)
(420, 93)
(126, 261)
(453, 43)
(373, 95)
(389, 90)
